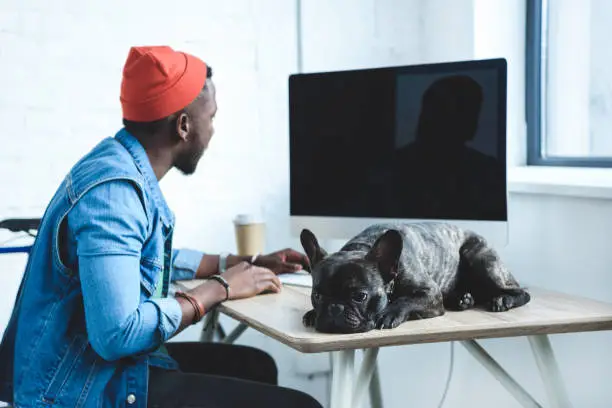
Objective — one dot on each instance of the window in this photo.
(569, 83)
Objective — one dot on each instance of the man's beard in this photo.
(188, 163)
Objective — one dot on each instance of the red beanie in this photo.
(158, 81)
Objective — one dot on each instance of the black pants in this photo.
(214, 375)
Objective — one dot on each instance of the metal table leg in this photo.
(376, 400)
(484, 358)
(348, 387)
(364, 378)
(549, 370)
(343, 363)
(211, 320)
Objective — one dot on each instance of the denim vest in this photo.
(45, 357)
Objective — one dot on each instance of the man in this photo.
(93, 313)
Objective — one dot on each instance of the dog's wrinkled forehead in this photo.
(344, 269)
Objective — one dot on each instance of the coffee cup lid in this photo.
(245, 219)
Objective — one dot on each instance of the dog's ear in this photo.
(386, 252)
(312, 248)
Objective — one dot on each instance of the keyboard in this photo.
(299, 278)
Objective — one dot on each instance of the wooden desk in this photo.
(280, 317)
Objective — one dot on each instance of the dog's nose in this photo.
(335, 309)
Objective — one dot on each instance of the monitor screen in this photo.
(409, 142)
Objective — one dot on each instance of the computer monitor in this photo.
(399, 144)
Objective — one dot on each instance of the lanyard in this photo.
(161, 291)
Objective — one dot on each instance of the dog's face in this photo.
(351, 288)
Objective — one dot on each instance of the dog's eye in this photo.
(360, 296)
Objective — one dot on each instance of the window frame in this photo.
(535, 94)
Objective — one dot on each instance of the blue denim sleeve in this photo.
(109, 227)
(185, 263)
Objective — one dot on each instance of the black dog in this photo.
(389, 274)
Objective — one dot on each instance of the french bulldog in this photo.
(389, 274)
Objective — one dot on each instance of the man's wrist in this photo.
(198, 307)
(210, 293)
(222, 264)
(233, 260)
(188, 312)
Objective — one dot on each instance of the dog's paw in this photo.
(465, 302)
(458, 301)
(309, 318)
(501, 303)
(390, 319)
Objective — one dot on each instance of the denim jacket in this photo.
(87, 324)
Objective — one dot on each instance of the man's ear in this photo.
(183, 126)
(386, 252)
(311, 246)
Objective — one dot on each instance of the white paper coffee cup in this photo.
(250, 230)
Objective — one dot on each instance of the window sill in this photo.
(561, 181)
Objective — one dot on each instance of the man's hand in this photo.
(246, 280)
(284, 261)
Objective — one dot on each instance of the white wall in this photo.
(60, 74)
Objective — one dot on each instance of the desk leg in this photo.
(549, 370)
(231, 338)
(210, 324)
(375, 391)
(364, 378)
(345, 393)
(500, 374)
(343, 364)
